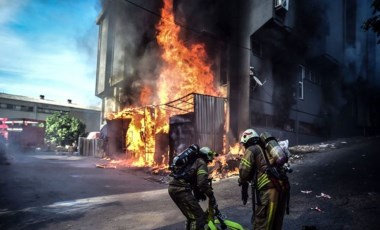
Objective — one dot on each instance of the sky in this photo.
(49, 47)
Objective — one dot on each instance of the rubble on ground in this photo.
(310, 148)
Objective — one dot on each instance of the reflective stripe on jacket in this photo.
(253, 162)
(198, 174)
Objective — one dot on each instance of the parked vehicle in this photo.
(25, 134)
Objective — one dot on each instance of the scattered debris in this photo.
(323, 195)
(306, 191)
(300, 149)
(106, 166)
(303, 149)
(316, 208)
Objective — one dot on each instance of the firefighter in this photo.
(192, 185)
(269, 194)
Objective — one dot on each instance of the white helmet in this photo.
(208, 153)
(248, 134)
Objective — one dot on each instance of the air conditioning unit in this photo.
(281, 4)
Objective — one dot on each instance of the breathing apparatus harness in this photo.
(183, 161)
(181, 168)
(275, 172)
(278, 170)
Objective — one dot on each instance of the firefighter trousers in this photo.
(269, 213)
(189, 206)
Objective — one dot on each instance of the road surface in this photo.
(52, 191)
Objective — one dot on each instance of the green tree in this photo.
(373, 23)
(63, 129)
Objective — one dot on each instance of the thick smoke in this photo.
(205, 21)
(135, 53)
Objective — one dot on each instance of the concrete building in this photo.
(21, 107)
(304, 70)
(319, 65)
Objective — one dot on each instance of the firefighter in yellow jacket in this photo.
(191, 185)
(269, 195)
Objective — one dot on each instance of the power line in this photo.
(160, 16)
(203, 32)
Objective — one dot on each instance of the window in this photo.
(260, 119)
(102, 56)
(307, 128)
(49, 111)
(313, 77)
(301, 77)
(27, 108)
(350, 21)
(256, 48)
(281, 4)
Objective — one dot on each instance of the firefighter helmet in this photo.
(248, 135)
(207, 153)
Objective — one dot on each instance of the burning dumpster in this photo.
(152, 135)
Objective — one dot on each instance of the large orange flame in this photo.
(186, 69)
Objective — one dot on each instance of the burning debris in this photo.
(225, 166)
(145, 123)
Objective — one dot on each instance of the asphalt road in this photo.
(50, 191)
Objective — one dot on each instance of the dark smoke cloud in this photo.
(136, 54)
(138, 60)
(311, 20)
(206, 21)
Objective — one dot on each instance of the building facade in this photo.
(21, 107)
(319, 66)
(304, 70)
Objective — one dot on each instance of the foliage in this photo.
(63, 129)
(373, 23)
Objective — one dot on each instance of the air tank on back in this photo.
(185, 156)
(274, 149)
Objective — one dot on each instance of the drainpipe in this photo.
(239, 68)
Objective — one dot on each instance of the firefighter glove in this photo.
(199, 196)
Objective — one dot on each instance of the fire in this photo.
(236, 149)
(224, 166)
(186, 69)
